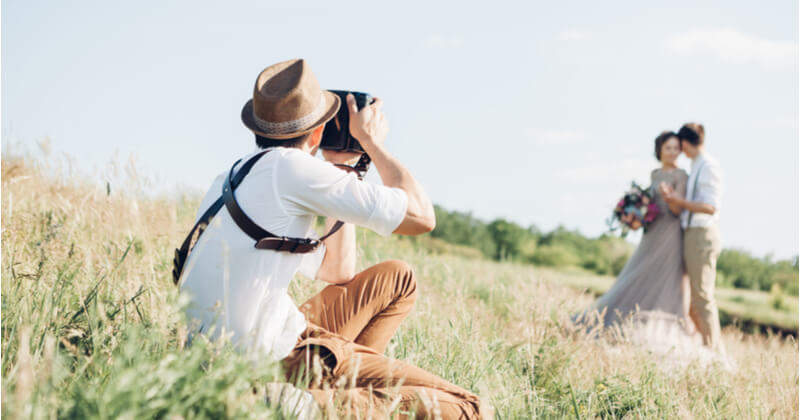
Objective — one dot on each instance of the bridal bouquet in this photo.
(636, 209)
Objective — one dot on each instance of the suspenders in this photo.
(263, 238)
(694, 191)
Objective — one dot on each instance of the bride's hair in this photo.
(662, 138)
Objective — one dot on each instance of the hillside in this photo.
(91, 326)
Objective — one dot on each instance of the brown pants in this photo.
(701, 247)
(349, 328)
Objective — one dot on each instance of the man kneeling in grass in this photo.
(241, 289)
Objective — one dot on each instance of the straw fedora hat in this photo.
(288, 102)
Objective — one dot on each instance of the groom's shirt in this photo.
(704, 186)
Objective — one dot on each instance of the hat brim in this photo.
(332, 104)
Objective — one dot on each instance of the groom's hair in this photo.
(694, 133)
(661, 139)
(264, 142)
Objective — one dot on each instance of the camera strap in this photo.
(264, 239)
(360, 168)
(182, 253)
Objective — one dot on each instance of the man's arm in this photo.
(708, 187)
(339, 264)
(692, 206)
(370, 128)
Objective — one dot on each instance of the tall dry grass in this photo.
(91, 325)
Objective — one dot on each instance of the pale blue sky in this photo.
(540, 113)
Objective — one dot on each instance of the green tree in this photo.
(509, 239)
(463, 229)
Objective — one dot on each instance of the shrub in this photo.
(554, 256)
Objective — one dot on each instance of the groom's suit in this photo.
(701, 245)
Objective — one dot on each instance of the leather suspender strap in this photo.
(694, 192)
(360, 168)
(237, 214)
(264, 239)
(182, 253)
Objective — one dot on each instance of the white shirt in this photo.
(706, 175)
(243, 290)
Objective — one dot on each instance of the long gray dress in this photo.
(653, 279)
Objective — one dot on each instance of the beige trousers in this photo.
(701, 247)
(349, 328)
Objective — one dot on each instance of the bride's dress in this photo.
(653, 278)
(649, 302)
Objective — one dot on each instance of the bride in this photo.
(653, 283)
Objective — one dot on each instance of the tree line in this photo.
(501, 239)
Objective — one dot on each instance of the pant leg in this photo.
(376, 371)
(403, 402)
(368, 309)
(701, 249)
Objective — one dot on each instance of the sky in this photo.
(538, 112)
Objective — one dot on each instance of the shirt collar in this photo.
(698, 159)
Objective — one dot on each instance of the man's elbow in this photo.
(426, 225)
(429, 225)
(416, 224)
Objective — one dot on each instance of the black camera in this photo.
(337, 131)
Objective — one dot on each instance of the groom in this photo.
(699, 219)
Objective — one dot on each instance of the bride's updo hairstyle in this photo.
(662, 138)
(694, 133)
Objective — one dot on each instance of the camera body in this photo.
(336, 135)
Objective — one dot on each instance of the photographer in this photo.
(240, 290)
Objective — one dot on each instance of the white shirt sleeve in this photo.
(309, 186)
(709, 186)
(311, 262)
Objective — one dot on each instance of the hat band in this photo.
(286, 127)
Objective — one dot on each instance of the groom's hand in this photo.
(666, 191)
(674, 201)
(670, 196)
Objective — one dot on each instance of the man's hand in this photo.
(368, 125)
(341, 158)
(674, 201)
(667, 192)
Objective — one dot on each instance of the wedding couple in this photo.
(669, 279)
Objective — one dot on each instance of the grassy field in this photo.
(91, 326)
